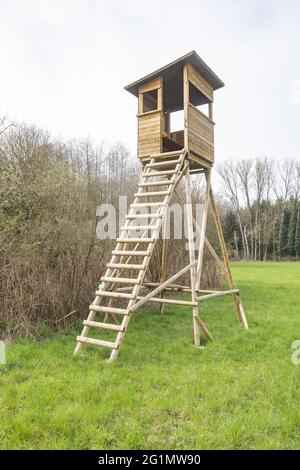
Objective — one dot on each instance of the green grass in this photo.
(240, 392)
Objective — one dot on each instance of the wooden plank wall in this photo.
(150, 124)
(199, 82)
(149, 133)
(200, 133)
(152, 85)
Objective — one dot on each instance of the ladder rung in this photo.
(97, 308)
(135, 240)
(140, 227)
(143, 216)
(159, 164)
(138, 267)
(105, 326)
(159, 173)
(96, 342)
(117, 295)
(148, 204)
(153, 193)
(119, 280)
(170, 301)
(130, 253)
(173, 153)
(156, 183)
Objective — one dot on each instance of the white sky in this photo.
(64, 63)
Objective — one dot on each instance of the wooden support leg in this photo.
(243, 315)
(192, 256)
(203, 230)
(164, 258)
(237, 302)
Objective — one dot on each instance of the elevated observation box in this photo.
(184, 88)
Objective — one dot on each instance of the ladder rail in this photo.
(108, 273)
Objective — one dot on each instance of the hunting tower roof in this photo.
(173, 72)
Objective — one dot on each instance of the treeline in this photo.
(51, 260)
(262, 217)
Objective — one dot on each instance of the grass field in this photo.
(240, 392)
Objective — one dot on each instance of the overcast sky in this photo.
(64, 63)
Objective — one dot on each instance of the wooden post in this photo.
(210, 111)
(203, 230)
(189, 214)
(238, 305)
(164, 257)
(186, 99)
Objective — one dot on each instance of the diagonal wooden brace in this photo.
(162, 286)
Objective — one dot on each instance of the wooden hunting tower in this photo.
(168, 157)
(187, 85)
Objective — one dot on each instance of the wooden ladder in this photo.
(169, 169)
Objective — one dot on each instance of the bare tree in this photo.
(229, 176)
(5, 124)
(244, 169)
(259, 183)
(283, 188)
